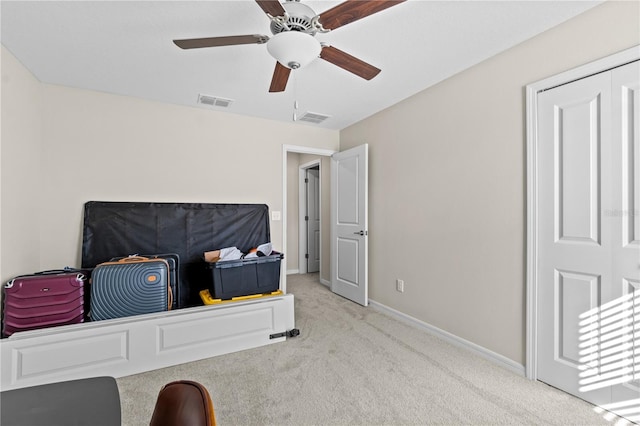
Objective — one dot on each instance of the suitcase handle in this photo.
(132, 258)
(54, 271)
(80, 276)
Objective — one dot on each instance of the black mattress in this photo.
(114, 229)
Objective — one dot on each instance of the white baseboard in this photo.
(501, 360)
(293, 271)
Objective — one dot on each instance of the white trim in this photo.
(293, 271)
(616, 60)
(485, 353)
(595, 67)
(308, 150)
(300, 150)
(311, 164)
(532, 230)
(325, 283)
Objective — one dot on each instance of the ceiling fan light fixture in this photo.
(294, 49)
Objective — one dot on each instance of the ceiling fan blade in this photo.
(271, 7)
(349, 63)
(352, 10)
(280, 78)
(194, 43)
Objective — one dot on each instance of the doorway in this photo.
(310, 227)
(295, 157)
(345, 254)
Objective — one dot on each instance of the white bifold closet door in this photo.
(589, 239)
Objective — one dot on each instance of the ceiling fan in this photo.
(293, 44)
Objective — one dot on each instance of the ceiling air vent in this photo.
(313, 117)
(214, 101)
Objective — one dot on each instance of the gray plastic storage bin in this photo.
(244, 277)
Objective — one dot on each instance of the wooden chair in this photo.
(183, 403)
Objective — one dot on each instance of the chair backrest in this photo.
(183, 403)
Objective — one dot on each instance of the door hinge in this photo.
(306, 218)
(306, 180)
(306, 256)
(290, 333)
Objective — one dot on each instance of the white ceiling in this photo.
(125, 47)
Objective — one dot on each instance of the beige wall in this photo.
(20, 170)
(293, 200)
(99, 146)
(447, 184)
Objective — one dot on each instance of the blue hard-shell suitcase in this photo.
(173, 259)
(130, 286)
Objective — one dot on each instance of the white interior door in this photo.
(313, 219)
(349, 216)
(575, 259)
(587, 260)
(625, 216)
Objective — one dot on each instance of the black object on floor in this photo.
(94, 401)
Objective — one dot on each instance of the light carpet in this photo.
(357, 366)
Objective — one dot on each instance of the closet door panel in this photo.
(625, 217)
(574, 257)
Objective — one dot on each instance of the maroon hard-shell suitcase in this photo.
(44, 299)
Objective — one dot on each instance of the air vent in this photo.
(214, 101)
(313, 117)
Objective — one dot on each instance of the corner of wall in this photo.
(20, 212)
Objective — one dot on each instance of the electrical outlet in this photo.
(400, 286)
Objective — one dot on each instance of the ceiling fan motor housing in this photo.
(299, 17)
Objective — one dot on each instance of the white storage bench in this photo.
(132, 345)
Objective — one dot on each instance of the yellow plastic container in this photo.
(205, 295)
